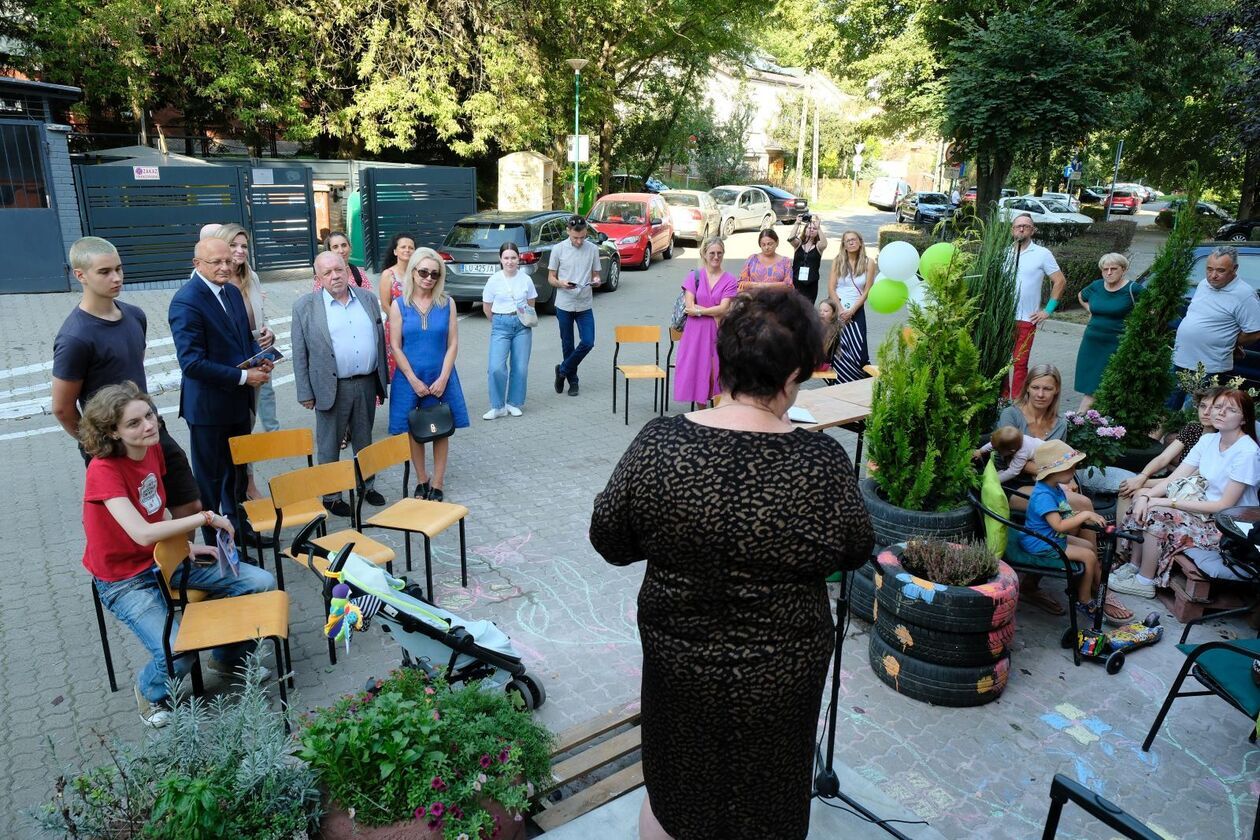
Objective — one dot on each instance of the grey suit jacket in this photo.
(314, 364)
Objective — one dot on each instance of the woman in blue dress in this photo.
(423, 333)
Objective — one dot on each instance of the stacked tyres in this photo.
(862, 593)
(946, 645)
(893, 524)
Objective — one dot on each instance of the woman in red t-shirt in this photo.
(124, 515)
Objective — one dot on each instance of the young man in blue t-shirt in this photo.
(1051, 515)
(101, 343)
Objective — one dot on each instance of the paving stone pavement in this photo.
(529, 483)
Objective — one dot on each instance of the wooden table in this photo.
(846, 405)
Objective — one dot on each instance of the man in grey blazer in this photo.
(339, 365)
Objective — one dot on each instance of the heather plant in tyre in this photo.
(414, 748)
(950, 563)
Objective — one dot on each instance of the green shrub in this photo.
(953, 564)
(1058, 232)
(1094, 211)
(916, 236)
(1255, 235)
(1138, 377)
(1078, 260)
(990, 275)
(221, 769)
(1123, 229)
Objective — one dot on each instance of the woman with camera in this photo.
(808, 242)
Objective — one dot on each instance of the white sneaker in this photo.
(513, 410)
(1122, 572)
(153, 715)
(1131, 586)
(493, 413)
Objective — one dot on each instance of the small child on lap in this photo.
(1051, 514)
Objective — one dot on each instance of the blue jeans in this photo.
(510, 343)
(137, 602)
(585, 321)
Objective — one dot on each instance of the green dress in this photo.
(1102, 335)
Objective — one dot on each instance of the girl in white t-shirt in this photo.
(852, 274)
(1227, 464)
(509, 294)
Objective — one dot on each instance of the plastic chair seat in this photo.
(1228, 673)
(641, 371)
(261, 513)
(419, 515)
(1047, 564)
(228, 621)
(364, 546)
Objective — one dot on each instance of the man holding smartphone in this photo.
(574, 272)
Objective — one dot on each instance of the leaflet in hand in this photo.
(271, 354)
(229, 559)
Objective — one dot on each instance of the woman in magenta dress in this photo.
(709, 291)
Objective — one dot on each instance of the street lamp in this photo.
(577, 64)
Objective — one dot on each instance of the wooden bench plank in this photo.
(594, 757)
(578, 735)
(605, 790)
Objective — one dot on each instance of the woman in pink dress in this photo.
(766, 266)
(708, 292)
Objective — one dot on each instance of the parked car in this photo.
(925, 207)
(1123, 201)
(1143, 193)
(1248, 366)
(787, 207)
(886, 193)
(638, 223)
(471, 251)
(625, 182)
(969, 197)
(1205, 209)
(1062, 198)
(1091, 195)
(1239, 231)
(1042, 210)
(695, 214)
(743, 208)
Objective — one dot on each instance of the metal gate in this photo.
(282, 211)
(30, 232)
(154, 214)
(424, 201)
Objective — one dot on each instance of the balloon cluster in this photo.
(900, 268)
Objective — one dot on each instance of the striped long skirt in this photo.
(851, 353)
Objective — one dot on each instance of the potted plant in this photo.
(222, 769)
(1102, 440)
(930, 401)
(415, 758)
(944, 620)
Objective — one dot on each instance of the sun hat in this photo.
(1055, 456)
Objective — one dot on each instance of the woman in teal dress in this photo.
(423, 332)
(1108, 300)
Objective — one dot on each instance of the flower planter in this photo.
(946, 645)
(337, 825)
(894, 525)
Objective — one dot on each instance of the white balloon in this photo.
(899, 260)
(918, 291)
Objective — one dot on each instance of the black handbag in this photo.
(432, 423)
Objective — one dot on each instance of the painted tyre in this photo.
(953, 609)
(941, 685)
(930, 645)
(895, 525)
(862, 593)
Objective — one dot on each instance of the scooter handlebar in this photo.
(1113, 533)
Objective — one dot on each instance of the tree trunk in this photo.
(1250, 193)
(991, 171)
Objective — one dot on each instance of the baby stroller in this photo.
(433, 639)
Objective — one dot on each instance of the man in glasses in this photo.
(1033, 265)
(212, 338)
(339, 365)
(574, 272)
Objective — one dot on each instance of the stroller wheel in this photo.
(521, 690)
(536, 690)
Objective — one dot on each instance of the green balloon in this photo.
(935, 261)
(887, 296)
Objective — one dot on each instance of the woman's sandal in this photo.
(1116, 607)
(1042, 601)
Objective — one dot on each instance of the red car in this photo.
(638, 224)
(1124, 201)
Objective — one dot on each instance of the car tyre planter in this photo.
(942, 648)
(893, 524)
(942, 685)
(862, 593)
(953, 609)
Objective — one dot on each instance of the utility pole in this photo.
(813, 194)
(1115, 175)
(800, 147)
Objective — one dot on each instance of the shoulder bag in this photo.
(678, 321)
(430, 423)
(528, 316)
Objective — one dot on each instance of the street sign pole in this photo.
(1115, 176)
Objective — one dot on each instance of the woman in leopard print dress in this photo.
(740, 518)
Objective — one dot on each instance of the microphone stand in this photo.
(826, 782)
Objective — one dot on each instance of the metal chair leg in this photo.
(428, 567)
(627, 402)
(407, 543)
(463, 557)
(100, 624)
(288, 662)
(284, 695)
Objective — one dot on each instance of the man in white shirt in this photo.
(1033, 265)
(339, 365)
(574, 272)
(1223, 317)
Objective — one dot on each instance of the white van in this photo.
(886, 192)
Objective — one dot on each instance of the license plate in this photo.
(478, 268)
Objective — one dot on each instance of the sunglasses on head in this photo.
(425, 274)
(577, 222)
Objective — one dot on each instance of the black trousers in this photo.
(221, 483)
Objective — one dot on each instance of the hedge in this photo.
(905, 233)
(1094, 211)
(1255, 235)
(1078, 260)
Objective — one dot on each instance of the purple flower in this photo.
(420, 813)
(1093, 415)
(503, 755)
(1078, 420)
(437, 783)
(485, 762)
(436, 715)
(437, 809)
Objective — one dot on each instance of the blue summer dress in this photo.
(424, 343)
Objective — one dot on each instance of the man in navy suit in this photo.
(211, 333)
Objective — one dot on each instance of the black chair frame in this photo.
(1063, 790)
(659, 385)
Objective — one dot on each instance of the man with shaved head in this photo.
(212, 339)
(339, 365)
